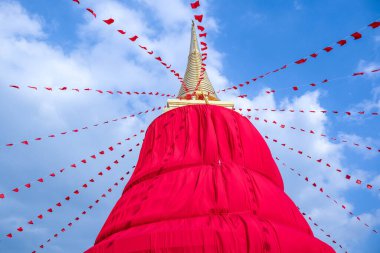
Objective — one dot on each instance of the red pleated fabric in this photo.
(205, 182)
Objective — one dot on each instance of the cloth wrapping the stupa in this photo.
(205, 182)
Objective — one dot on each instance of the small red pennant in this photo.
(134, 38)
(199, 18)
(375, 24)
(92, 12)
(342, 42)
(195, 5)
(356, 35)
(109, 21)
(300, 61)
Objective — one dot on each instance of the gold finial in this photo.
(190, 94)
(196, 85)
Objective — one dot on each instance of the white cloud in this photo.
(23, 25)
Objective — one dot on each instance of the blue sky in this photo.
(57, 43)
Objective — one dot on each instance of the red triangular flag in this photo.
(195, 5)
(134, 38)
(91, 11)
(356, 35)
(375, 24)
(199, 18)
(342, 42)
(300, 61)
(109, 21)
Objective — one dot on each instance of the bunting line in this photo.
(320, 161)
(89, 90)
(84, 212)
(321, 229)
(55, 173)
(352, 37)
(332, 112)
(322, 190)
(28, 142)
(313, 132)
(297, 87)
(76, 192)
(133, 39)
(325, 81)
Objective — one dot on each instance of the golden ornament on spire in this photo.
(196, 87)
(196, 82)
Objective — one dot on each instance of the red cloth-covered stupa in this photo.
(205, 182)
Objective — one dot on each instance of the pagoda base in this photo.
(175, 103)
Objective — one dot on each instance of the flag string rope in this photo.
(320, 161)
(315, 133)
(354, 36)
(27, 142)
(55, 173)
(84, 212)
(89, 90)
(313, 85)
(322, 191)
(315, 224)
(324, 81)
(76, 192)
(133, 39)
(332, 112)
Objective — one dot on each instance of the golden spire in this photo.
(190, 94)
(195, 84)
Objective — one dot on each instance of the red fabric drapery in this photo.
(205, 182)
